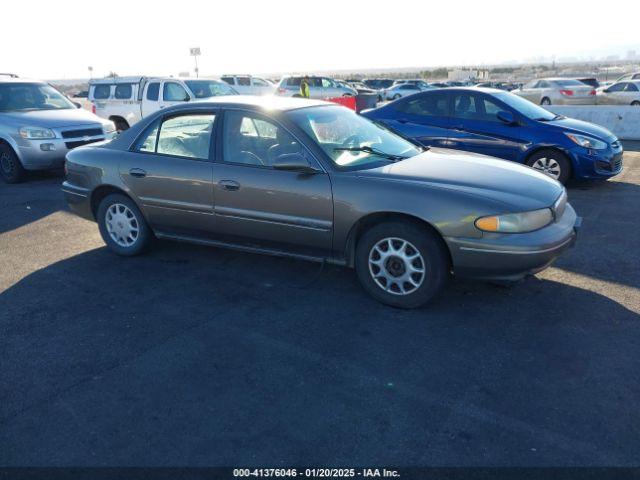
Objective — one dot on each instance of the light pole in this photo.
(195, 53)
(90, 73)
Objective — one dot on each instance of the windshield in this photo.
(351, 141)
(525, 107)
(20, 97)
(209, 88)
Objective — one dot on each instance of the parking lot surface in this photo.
(197, 356)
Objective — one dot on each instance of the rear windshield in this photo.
(569, 83)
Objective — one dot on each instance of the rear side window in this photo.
(186, 136)
(294, 81)
(153, 91)
(101, 92)
(124, 91)
(425, 105)
(244, 81)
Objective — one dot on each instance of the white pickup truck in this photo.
(126, 100)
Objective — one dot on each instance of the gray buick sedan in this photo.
(313, 180)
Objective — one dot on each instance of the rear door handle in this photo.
(230, 185)
(137, 172)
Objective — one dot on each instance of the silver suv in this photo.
(39, 125)
(319, 87)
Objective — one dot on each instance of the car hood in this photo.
(517, 187)
(586, 128)
(52, 118)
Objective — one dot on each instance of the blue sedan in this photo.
(503, 125)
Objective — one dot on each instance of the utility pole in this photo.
(195, 53)
(90, 73)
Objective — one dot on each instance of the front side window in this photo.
(326, 83)
(229, 80)
(349, 140)
(31, 96)
(258, 82)
(432, 105)
(249, 139)
(174, 92)
(101, 92)
(464, 106)
(124, 91)
(244, 81)
(153, 91)
(182, 136)
(618, 87)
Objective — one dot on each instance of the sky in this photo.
(57, 40)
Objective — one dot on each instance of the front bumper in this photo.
(514, 256)
(596, 164)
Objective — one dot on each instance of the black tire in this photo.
(11, 170)
(550, 154)
(434, 260)
(396, 96)
(545, 101)
(144, 234)
(121, 125)
(635, 103)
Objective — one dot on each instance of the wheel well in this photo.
(373, 219)
(100, 193)
(555, 149)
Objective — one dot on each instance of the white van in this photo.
(126, 100)
(248, 85)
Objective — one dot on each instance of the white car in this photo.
(249, 85)
(557, 91)
(126, 100)
(620, 93)
(400, 90)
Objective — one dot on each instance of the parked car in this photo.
(249, 85)
(378, 83)
(621, 93)
(39, 125)
(629, 76)
(319, 87)
(416, 83)
(558, 91)
(126, 100)
(316, 181)
(592, 82)
(503, 125)
(400, 90)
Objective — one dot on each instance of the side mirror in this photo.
(506, 117)
(293, 162)
(78, 105)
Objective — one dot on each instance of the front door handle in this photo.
(230, 185)
(137, 172)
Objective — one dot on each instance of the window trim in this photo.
(219, 154)
(163, 118)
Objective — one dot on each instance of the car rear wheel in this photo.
(11, 170)
(551, 163)
(122, 225)
(401, 264)
(545, 101)
(396, 96)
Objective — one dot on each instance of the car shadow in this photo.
(91, 345)
(27, 202)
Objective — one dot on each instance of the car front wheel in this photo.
(122, 225)
(551, 163)
(11, 169)
(401, 264)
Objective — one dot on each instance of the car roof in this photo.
(20, 80)
(266, 102)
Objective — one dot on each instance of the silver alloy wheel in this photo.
(396, 266)
(548, 166)
(5, 163)
(122, 225)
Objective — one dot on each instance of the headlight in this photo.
(587, 142)
(36, 133)
(516, 222)
(108, 127)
